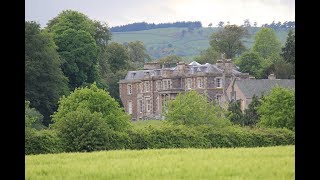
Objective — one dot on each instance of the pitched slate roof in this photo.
(249, 87)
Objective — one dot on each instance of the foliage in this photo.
(117, 57)
(44, 81)
(288, 51)
(94, 100)
(250, 62)
(192, 108)
(209, 55)
(278, 109)
(32, 117)
(74, 33)
(41, 142)
(229, 40)
(82, 130)
(266, 43)
(102, 34)
(170, 60)
(235, 114)
(137, 53)
(139, 26)
(251, 116)
(283, 69)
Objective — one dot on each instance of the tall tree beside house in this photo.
(210, 55)
(74, 33)
(278, 109)
(251, 116)
(250, 62)
(137, 54)
(266, 43)
(229, 40)
(44, 81)
(288, 51)
(235, 114)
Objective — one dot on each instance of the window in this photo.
(165, 84)
(130, 107)
(169, 84)
(147, 86)
(159, 85)
(140, 106)
(140, 87)
(200, 83)
(129, 89)
(219, 82)
(148, 104)
(189, 83)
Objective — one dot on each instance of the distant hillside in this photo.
(185, 42)
(140, 26)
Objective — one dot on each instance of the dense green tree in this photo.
(283, 69)
(79, 51)
(102, 34)
(193, 108)
(74, 33)
(251, 116)
(288, 51)
(235, 114)
(250, 62)
(229, 40)
(117, 57)
(95, 100)
(209, 55)
(266, 43)
(44, 81)
(277, 109)
(137, 54)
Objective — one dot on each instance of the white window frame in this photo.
(129, 89)
(189, 83)
(129, 107)
(148, 104)
(140, 105)
(147, 86)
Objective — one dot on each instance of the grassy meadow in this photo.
(221, 163)
(165, 41)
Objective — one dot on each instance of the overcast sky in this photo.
(120, 12)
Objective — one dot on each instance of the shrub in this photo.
(41, 142)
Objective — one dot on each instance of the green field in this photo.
(166, 41)
(225, 163)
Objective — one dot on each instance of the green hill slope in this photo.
(179, 41)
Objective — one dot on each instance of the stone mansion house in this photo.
(143, 93)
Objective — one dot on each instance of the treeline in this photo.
(279, 25)
(139, 26)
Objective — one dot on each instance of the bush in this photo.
(81, 130)
(42, 142)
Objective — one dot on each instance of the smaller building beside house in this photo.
(244, 89)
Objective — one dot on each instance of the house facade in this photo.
(245, 89)
(144, 93)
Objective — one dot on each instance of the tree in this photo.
(266, 43)
(44, 81)
(94, 100)
(209, 55)
(283, 69)
(221, 24)
(102, 34)
(288, 51)
(278, 109)
(251, 116)
(246, 23)
(137, 53)
(235, 113)
(229, 40)
(192, 108)
(250, 62)
(74, 33)
(117, 57)
(32, 117)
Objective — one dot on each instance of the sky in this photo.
(121, 12)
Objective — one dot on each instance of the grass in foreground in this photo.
(225, 163)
